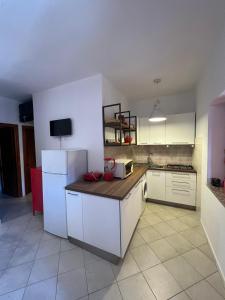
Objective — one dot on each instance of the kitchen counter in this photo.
(115, 189)
(165, 168)
(218, 192)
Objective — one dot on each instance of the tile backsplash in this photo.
(161, 155)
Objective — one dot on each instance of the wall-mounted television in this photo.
(60, 127)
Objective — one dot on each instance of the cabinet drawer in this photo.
(180, 196)
(174, 177)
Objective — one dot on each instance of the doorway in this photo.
(29, 156)
(10, 169)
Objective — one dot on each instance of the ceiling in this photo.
(45, 43)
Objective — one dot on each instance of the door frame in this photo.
(17, 152)
(24, 127)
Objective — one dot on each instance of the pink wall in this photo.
(216, 141)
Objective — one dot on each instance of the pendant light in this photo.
(157, 115)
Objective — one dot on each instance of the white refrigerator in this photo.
(59, 168)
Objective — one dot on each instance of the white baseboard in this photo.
(214, 253)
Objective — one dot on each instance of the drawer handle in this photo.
(180, 143)
(183, 182)
(179, 175)
(181, 190)
(72, 194)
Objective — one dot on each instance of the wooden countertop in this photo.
(116, 189)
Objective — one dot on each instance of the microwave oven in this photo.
(123, 168)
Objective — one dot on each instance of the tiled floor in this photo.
(11, 208)
(168, 258)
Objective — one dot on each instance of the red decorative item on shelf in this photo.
(128, 139)
(36, 189)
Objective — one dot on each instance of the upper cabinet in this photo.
(177, 130)
(143, 131)
(157, 133)
(180, 129)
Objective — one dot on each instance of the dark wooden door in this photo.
(28, 155)
(10, 160)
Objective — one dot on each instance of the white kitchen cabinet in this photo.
(181, 188)
(156, 182)
(74, 207)
(157, 133)
(143, 131)
(101, 223)
(105, 223)
(130, 209)
(180, 129)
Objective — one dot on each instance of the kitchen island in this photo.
(102, 216)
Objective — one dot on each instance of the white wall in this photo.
(211, 85)
(173, 104)
(82, 102)
(111, 95)
(9, 113)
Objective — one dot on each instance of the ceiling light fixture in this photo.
(157, 115)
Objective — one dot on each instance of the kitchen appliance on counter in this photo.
(108, 168)
(59, 168)
(216, 182)
(123, 168)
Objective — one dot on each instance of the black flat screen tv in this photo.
(60, 127)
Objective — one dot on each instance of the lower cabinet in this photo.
(181, 188)
(156, 181)
(101, 223)
(105, 223)
(130, 209)
(174, 187)
(74, 206)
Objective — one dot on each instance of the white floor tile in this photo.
(162, 283)
(149, 234)
(179, 243)
(44, 268)
(181, 296)
(203, 291)
(164, 229)
(71, 285)
(16, 295)
(200, 262)
(110, 293)
(126, 268)
(163, 250)
(182, 271)
(71, 260)
(43, 290)
(216, 281)
(194, 237)
(15, 278)
(48, 248)
(135, 288)
(99, 275)
(144, 257)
